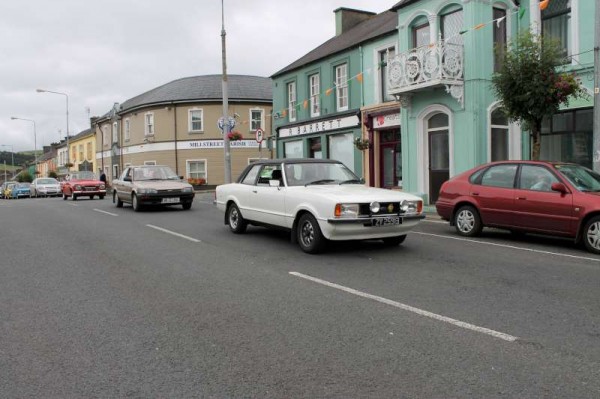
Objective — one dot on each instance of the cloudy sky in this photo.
(104, 51)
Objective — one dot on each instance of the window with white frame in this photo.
(315, 108)
(383, 58)
(499, 136)
(451, 26)
(341, 87)
(500, 37)
(256, 119)
(115, 132)
(149, 124)
(291, 89)
(195, 117)
(196, 169)
(556, 22)
(127, 133)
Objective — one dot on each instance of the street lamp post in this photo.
(34, 139)
(67, 98)
(12, 157)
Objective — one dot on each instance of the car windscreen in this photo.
(154, 173)
(582, 178)
(47, 181)
(301, 174)
(84, 176)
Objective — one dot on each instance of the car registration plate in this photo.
(387, 221)
(170, 200)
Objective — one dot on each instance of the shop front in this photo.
(384, 156)
(331, 137)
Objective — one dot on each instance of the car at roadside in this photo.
(2, 188)
(7, 189)
(20, 190)
(45, 187)
(316, 201)
(151, 185)
(83, 184)
(549, 198)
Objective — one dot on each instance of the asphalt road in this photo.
(97, 301)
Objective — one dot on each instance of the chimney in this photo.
(348, 18)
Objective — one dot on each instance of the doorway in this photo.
(390, 155)
(439, 154)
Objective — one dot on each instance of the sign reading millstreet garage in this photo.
(190, 145)
(321, 126)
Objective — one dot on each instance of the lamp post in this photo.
(34, 139)
(67, 98)
(12, 157)
(226, 126)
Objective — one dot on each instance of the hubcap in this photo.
(233, 217)
(307, 234)
(465, 221)
(593, 235)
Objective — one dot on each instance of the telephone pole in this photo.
(227, 166)
(596, 133)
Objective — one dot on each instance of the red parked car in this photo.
(553, 198)
(82, 184)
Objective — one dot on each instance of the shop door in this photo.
(439, 162)
(390, 156)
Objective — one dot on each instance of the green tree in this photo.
(24, 177)
(53, 174)
(530, 83)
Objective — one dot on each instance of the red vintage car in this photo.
(552, 198)
(82, 184)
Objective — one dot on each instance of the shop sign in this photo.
(191, 145)
(319, 127)
(383, 121)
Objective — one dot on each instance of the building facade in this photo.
(177, 124)
(82, 151)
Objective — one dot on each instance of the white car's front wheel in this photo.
(309, 237)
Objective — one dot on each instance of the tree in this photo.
(24, 176)
(530, 84)
(53, 174)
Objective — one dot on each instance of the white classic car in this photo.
(317, 200)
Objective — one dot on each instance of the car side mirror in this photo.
(561, 188)
(274, 183)
(127, 178)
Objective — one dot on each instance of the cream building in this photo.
(177, 125)
(82, 150)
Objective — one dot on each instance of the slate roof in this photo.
(205, 88)
(81, 134)
(375, 26)
(403, 3)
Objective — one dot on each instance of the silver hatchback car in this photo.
(45, 187)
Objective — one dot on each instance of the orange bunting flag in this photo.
(305, 104)
(328, 92)
(359, 77)
(479, 26)
(284, 113)
(544, 4)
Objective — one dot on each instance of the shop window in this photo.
(315, 148)
(568, 137)
(341, 148)
(293, 149)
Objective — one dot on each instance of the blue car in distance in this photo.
(20, 190)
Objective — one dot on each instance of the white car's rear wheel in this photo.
(237, 224)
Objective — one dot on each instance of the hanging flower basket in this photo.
(234, 136)
(362, 144)
(196, 181)
(69, 165)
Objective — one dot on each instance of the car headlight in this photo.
(187, 190)
(147, 191)
(102, 187)
(412, 207)
(346, 210)
(77, 187)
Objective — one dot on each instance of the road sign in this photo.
(221, 123)
(259, 134)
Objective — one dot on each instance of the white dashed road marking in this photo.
(408, 308)
(108, 213)
(173, 233)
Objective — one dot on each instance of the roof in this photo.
(375, 26)
(402, 3)
(205, 88)
(81, 134)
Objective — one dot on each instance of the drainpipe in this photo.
(175, 133)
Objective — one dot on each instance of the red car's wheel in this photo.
(467, 221)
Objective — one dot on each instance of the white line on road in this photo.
(435, 221)
(108, 213)
(418, 311)
(508, 246)
(173, 233)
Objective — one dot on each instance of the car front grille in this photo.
(170, 192)
(385, 208)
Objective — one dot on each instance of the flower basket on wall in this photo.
(234, 136)
(362, 144)
(196, 181)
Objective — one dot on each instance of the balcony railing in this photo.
(438, 64)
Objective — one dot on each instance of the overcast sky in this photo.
(104, 51)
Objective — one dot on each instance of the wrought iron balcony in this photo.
(438, 64)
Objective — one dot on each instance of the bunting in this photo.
(544, 4)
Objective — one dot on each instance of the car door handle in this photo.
(521, 198)
(475, 194)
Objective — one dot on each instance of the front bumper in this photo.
(364, 228)
(89, 192)
(158, 199)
